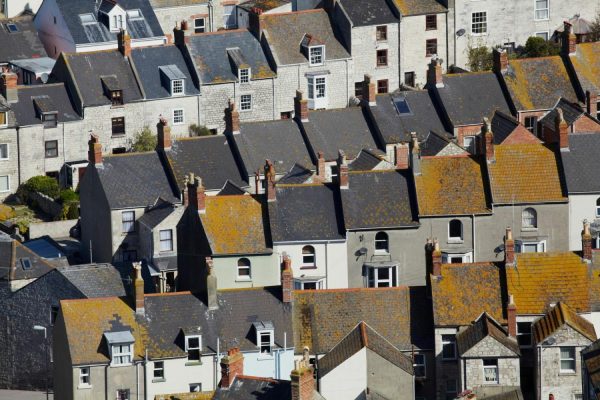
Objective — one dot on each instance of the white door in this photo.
(317, 92)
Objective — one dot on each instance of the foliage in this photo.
(6, 212)
(144, 140)
(198, 130)
(68, 196)
(70, 202)
(538, 47)
(41, 183)
(594, 34)
(479, 58)
(23, 226)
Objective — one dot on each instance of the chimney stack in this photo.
(561, 130)
(257, 181)
(509, 248)
(124, 43)
(254, 23)
(94, 150)
(232, 365)
(270, 180)
(500, 61)
(138, 288)
(586, 241)
(321, 169)
(415, 154)
(369, 90)
(287, 279)
(487, 139)
(591, 99)
(434, 74)
(402, 155)
(303, 384)
(300, 107)
(9, 87)
(164, 134)
(196, 195)
(511, 317)
(211, 285)
(181, 35)
(342, 164)
(436, 258)
(569, 40)
(232, 118)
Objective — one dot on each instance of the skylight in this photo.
(402, 106)
(87, 18)
(134, 14)
(12, 28)
(25, 263)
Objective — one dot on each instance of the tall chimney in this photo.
(196, 195)
(415, 154)
(254, 23)
(586, 241)
(300, 107)
(511, 316)
(434, 73)
(138, 288)
(181, 35)
(509, 248)
(402, 151)
(500, 61)
(232, 365)
(124, 43)
(12, 273)
(561, 130)
(211, 285)
(232, 118)
(321, 170)
(487, 138)
(303, 384)
(270, 181)
(164, 134)
(343, 170)
(569, 40)
(257, 181)
(9, 87)
(436, 258)
(369, 90)
(591, 99)
(287, 279)
(94, 150)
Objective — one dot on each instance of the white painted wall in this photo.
(581, 206)
(12, 8)
(178, 376)
(279, 364)
(348, 380)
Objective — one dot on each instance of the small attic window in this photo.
(402, 106)
(25, 263)
(134, 14)
(12, 28)
(177, 86)
(87, 19)
(316, 55)
(265, 336)
(120, 345)
(244, 75)
(172, 79)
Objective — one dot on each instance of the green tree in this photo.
(538, 47)
(479, 58)
(144, 140)
(198, 130)
(594, 34)
(41, 183)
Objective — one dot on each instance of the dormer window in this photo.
(112, 89)
(120, 345)
(116, 97)
(46, 111)
(265, 336)
(316, 55)
(116, 23)
(50, 119)
(87, 19)
(244, 75)
(172, 79)
(134, 14)
(193, 347)
(112, 15)
(176, 87)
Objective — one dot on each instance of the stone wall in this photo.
(508, 372)
(55, 229)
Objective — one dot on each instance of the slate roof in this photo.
(247, 388)
(280, 141)
(148, 60)
(344, 129)
(558, 316)
(26, 263)
(143, 176)
(236, 225)
(36, 65)
(464, 291)
(483, 327)
(55, 96)
(502, 126)
(525, 173)
(24, 43)
(580, 163)
(95, 280)
(537, 83)
(379, 199)
(571, 113)
(368, 160)
(586, 63)
(88, 69)
(370, 12)
(45, 247)
(213, 62)
(591, 358)
(298, 174)
(469, 97)
(175, 3)
(97, 32)
(157, 214)
(418, 7)
(434, 144)
(264, 5)
(451, 185)
(230, 189)
(285, 29)
(363, 336)
(306, 213)
(209, 157)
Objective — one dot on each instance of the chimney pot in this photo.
(561, 130)
(287, 279)
(369, 90)
(415, 154)
(138, 289)
(164, 134)
(434, 74)
(257, 181)
(569, 40)
(436, 258)
(303, 384)
(232, 365)
(195, 193)
(9, 87)
(300, 106)
(500, 61)
(124, 43)
(509, 248)
(321, 170)
(488, 140)
(586, 241)
(94, 150)
(232, 118)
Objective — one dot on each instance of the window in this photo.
(84, 376)
(530, 247)
(3, 151)
(382, 244)
(541, 9)
(358, 90)
(308, 284)
(53, 314)
(409, 79)
(544, 35)
(51, 147)
(317, 92)
(178, 118)
(567, 359)
(199, 25)
(122, 354)
(455, 230)
(193, 345)
(381, 32)
(382, 58)
(244, 75)
(159, 370)
(490, 371)
(531, 124)
(243, 269)
(134, 14)
(12, 28)
(597, 205)
(529, 217)
(308, 257)
(177, 86)
(469, 144)
(26, 263)
(451, 389)
(597, 112)
(430, 22)
(3, 119)
(524, 334)
(316, 55)
(286, 115)
(382, 86)
(166, 240)
(117, 22)
(448, 347)
(246, 102)
(382, 277)
(265, 341)
(128, 221)
(479, 23)
(419, 366)
(457, 258)
(229, 17)
(195, 387)
(50, 119)
(123, 394)
(118, 126)
(430, 47)
(116, 97)
(4, 183)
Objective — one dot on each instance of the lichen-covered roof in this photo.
(464, 291)
(451, 185)
(556, 318)
(418, 7)
(586, 62)
(525, 173)
(263, 5)
(236, 225)
(483, 327)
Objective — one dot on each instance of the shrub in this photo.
(144, 140)
(539, 47)
(6, 212)
(68, 196)
(479, 58)
(198, 130)
(43, 184)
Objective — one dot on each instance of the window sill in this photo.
(56, 156)
(120, 365)
(529, 229)
(455, 241)
(308, 267)
(243, 280)
(381, 41)
(117, 135)
(479, 34)
(447, 360)
(193, 363)
(264, 357)
(567, 373)
(179, 123)
(84, 387)
(117, 105)
(156, 380)
(316, 65)
(382, 66)
(430, 29)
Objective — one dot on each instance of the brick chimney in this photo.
(569, 40)
(9, 87)
(586, 241)
(124, 43)
(196, 195)
(591, 100)
(257, 181)
(254, 22)
(402, 151)
(94, 150)
(138, 288)
(561, 130)
(232, 365)
(211, 285)
(232, 118)
(181, 34)
(342, 164)
(287, 279)
(436, 259)
(434, 73)
(164, 134)
(321, 169)
(487, 140)
(509, 248)
(303, 383)
(415, 154)
(270, 181)
(300, 106)
(369, 90)
(500, 61)
(511, 316)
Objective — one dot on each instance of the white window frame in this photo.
(299, 284)
(200, 28)
(246, 102)
(169, 240)
(189, 348)
(376, 281)
(156, 368)
(536, 10)
(493, 369)
(7, 152)
(482, 24)
(248, 267)
(259, 339)
(315, 100)
(129, 228)
(195, 387)
(309, 264)
(229, 21)
(543, 34)
(134, 14)
(521, 244)
(471, 147)
(569, 359)
(530, 123)
(178, 120)
(456, 239)
(116, 353)
(529, 221)
(445, 342)
(177, 87)
(598, 207)
(420, 361)
(386, 241)
(7, 183)
(465, 257)
(317, 59)
(84, 374)
(244, 75)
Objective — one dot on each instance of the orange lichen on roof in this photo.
(87, 319)
(464, 291)
(587, 64)
(235, 224)
(525, 173)
(556, 318)
(415, 7)
(540, 279)
(451, 186)
(186, 396)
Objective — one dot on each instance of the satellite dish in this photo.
(44, 77)
(362, 251)
(460, 32)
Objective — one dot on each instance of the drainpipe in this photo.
(473, 233)
(137, 380)
(211, 12)
(327, 265)
(18, 156)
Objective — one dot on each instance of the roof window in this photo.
(402, 106)
(134, 14)
(12, 28)
(25, 263)
(87, 19)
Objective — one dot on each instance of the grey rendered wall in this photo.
(105, 381)
(388, 380)
(264, 272)
(364, 54)
(127, 241)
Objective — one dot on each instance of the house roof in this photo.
(297, 175)
(586, 62)
(95, 280)
(344, 129)
(97, 32)
(212, 56)
(53, 96)
(434, 144)
(157, 214)
(24, 263)
(540, 279)
(591, 358)
(35, 65)
(571, 113)
(287, 28)
(469, 97)
(378, 199)
(483, 327)
(451, 185)
(418, 7)
(306, 212)
(464, 291)
(230, 188)
(209, 157)
(247, 388)
(368, 160)
(263, 5)
(525, 173)
(558, 316)
(141, 173)
(24, 42)
(370, 12)
(176, 3)
(537, 83)
(395, 127)
(90, 69)
(363, 336)
(236, 225)
(502, 126)
(322, 318)
(580, 163)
